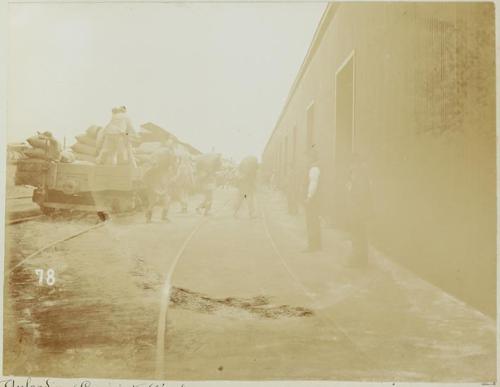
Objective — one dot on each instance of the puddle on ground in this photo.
(259, 307)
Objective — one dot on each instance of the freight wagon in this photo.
(81, 186)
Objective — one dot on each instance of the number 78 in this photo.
(50, 277)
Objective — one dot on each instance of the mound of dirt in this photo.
(258, 306)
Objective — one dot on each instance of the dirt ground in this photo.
(245, 304)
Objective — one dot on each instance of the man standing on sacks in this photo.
(113, 141)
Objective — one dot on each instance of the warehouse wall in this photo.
(424, 121)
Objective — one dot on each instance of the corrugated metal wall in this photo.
(424, 120)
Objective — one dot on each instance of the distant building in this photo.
(164, 134)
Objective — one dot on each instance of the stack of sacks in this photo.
(87, 145)
(31, 170)
(44, 147)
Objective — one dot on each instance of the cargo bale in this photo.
(37, 153)
(38, 142)
(85, 139)
(84, 149)
(93, 131)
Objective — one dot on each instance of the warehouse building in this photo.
(410, 87)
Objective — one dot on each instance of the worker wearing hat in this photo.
(312, 203)
(113, 141)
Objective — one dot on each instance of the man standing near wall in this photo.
(360, 210)
(291, 190)
(206, 167)
(313, 204)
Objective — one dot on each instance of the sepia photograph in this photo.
(251, 191)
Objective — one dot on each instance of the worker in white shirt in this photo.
(114, 140)
(313, 204)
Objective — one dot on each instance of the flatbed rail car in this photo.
(81, 186)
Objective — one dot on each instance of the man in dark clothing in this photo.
(206, 168)
(291, 190)
(313, 204)
(158, 182)
(360, 210)
(246, 180)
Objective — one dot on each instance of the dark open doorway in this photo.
(344, 130)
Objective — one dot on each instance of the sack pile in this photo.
(150, 139)
(87, 145)
(43, 146)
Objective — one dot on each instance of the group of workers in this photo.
(172, 178)
(169, 177)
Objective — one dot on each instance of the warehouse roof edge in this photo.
(324, 22)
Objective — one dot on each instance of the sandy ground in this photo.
(245, 304)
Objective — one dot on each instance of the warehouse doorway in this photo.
(344, 133)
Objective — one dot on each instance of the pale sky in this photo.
(216, 75)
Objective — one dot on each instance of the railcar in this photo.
(81, 186)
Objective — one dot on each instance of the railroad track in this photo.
(19, 197)
(165, 297)
(310, 294)
(165, 301)
(22, 214)
(167, 286)
(23, 220)
(166, 292)
(53, 244)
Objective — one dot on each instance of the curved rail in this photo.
(164, 303)
(23, 220)
(19, 197)
(304, 289)
(165, 298)
(46, 247)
